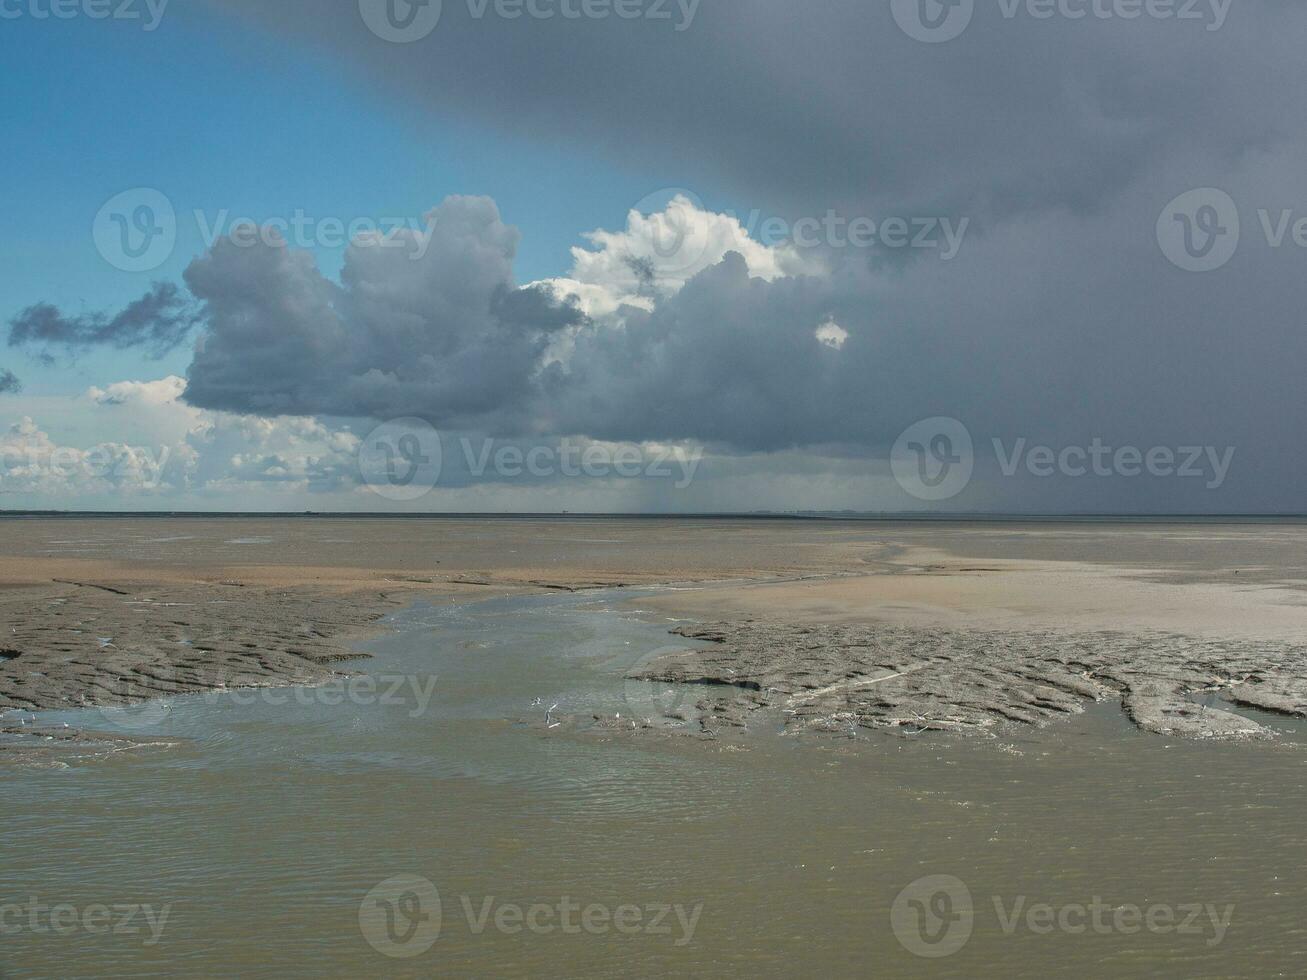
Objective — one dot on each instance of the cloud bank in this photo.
(446, 336)
(756, 349)
(1059, 320)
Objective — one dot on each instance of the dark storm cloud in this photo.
(446, 336)
(533, 308)
(730, 359)
(9, 383)
(1096, 338)
(1059, 321)
(805, 106)
(157, 322)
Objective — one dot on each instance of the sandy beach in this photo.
(840, 625)
(1070, 714)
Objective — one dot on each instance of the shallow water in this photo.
(262, 822)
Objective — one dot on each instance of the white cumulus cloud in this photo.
(658, 253)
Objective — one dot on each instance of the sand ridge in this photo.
(911, 679)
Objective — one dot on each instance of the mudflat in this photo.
(939, 642)
(100, 612)
(838, 626)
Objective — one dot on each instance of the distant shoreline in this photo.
(822, 516)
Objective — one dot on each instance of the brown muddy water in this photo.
(432, 824)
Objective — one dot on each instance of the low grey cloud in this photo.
(157, 322)
(9, 383)
(447, 336)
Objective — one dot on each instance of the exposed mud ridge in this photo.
(81, 645)
(840, 679)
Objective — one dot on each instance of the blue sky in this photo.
(1055, 157)
(222, 117)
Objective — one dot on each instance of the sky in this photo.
(1004, 256)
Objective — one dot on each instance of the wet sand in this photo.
(836, 625)
(116, 611)
(850, 679)
(936, 642)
